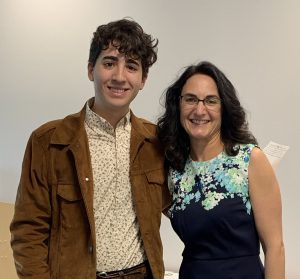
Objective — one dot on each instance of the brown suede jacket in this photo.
(53, 230)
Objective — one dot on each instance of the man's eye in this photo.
(132, 67)
(108, 64)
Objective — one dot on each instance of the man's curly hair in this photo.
(130, 39)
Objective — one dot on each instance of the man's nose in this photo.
(119, 73)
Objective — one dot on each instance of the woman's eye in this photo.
(212, 101)
(191, 100)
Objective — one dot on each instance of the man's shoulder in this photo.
(144, 124)
(53, 125)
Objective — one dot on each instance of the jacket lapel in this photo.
(139, 134)
(72, 135)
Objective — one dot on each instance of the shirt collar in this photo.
(96, 122)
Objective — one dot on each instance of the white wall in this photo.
(44, 50)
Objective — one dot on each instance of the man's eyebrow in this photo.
(108, 57)
(134, 61)
(115, 58)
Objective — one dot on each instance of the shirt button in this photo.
(86, 179)
(90, 249)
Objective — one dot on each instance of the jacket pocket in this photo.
(71, 206)
(156, 176)
(156, 180)
(74, 233)
(69, 192)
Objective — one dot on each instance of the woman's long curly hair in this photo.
(234, 126)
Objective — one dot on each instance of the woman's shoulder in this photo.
(246, 147)
(259, 161)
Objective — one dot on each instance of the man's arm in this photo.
(32, 218)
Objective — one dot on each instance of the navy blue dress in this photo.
(212, 215)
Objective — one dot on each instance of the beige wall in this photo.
(44, 49)
(7, 268)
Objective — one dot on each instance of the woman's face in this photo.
(200, 119)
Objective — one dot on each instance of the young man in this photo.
(92, 186)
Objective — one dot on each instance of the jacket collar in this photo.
(71, 129)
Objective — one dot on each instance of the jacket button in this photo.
(90, 249)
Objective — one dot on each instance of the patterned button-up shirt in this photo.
(118, 240)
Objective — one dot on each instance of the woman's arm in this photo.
(266, 203)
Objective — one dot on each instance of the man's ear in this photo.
(143, 82)
(91, 71)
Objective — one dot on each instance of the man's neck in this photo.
(113, 117)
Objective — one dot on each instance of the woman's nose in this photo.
(200, 107)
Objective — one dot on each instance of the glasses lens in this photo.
(190, 100)
(212, 101)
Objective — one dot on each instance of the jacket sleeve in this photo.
(31, 222)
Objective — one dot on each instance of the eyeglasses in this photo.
(210, 102)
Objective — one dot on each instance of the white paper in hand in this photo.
(274, 152)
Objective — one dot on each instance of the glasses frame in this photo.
(204, 101)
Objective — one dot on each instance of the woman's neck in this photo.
(204, 151)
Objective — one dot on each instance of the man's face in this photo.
(117, 80)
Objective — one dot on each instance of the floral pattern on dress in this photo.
(212, 181)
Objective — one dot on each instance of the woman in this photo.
(226, 199)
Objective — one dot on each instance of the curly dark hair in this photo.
(234, 126)
(130, 39)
